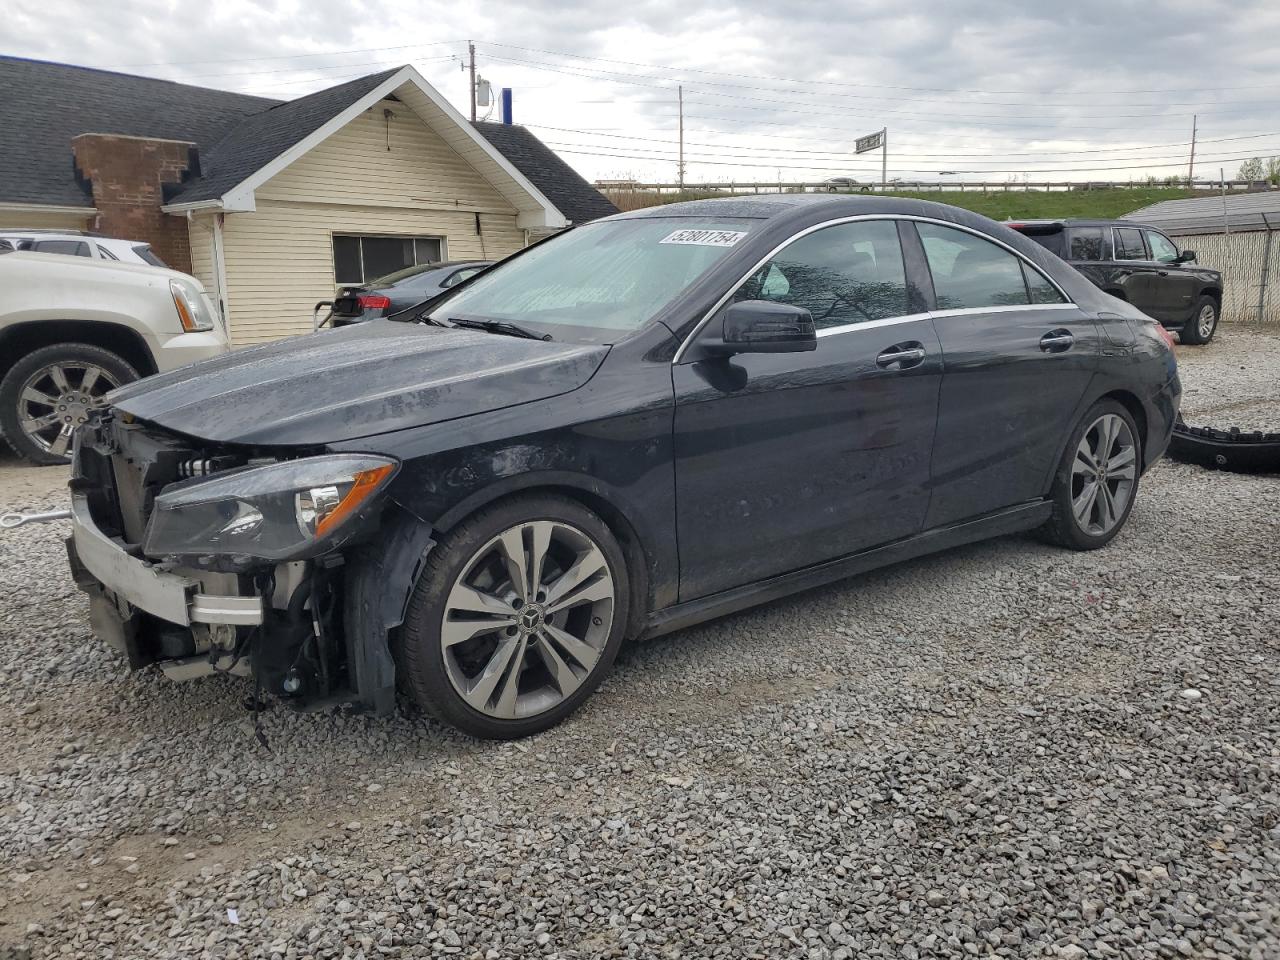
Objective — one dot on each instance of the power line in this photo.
(635, 78)
(902, 116)
(910, 156)
(845, 83)
(570, 148)
(362, 71)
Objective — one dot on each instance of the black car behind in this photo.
(404, 288)
(1141, 265)
(650, 420)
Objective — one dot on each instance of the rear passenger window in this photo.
(75, 248)
(1086, 244)
(1039, 288)
(1129, 244)
(969, 271)
(845, 274)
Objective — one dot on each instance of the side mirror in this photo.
(1187, 256)
(759, 326)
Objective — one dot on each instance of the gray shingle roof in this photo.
(257, 140)
(1244, 212)
(43, 105)
(559, 182)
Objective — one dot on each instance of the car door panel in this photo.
(1017, 357)
(1176, 287)
(1007, 398)
(787, 460)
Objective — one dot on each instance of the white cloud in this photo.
(963, 86)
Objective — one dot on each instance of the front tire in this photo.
(517, 617)
(49, 392)
(1097, 479)
(1203, 323)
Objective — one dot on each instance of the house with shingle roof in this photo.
(273, 204)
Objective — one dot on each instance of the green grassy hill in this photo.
(1025, 205)
(996, 204)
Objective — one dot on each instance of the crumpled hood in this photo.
(355, 382)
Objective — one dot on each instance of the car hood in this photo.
(355, 382)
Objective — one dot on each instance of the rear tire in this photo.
(517, 617)
(72, 377)
(1203, 323)
(1097, 479)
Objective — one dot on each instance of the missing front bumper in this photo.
(142, 585)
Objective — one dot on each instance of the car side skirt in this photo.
(1024, 516)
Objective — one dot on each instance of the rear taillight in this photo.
(1165, 335)
(373, 301)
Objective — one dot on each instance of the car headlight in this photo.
(193, 308)
(284, 511)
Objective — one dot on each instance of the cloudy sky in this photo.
(969, 90)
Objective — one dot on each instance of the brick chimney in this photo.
(128, 176)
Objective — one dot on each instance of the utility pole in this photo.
(884, 160)
(1191, 167)
(471, 49)
(680, 163)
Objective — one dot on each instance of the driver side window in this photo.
(849, 273)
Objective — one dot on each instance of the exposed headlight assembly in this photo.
(283, 511)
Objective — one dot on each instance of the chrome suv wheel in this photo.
(516, 618)
(49, 392)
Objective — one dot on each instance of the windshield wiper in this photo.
(499, 326)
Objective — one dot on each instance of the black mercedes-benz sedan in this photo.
(648, 421)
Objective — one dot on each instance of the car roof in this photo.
(91, 263)
(1076, 222)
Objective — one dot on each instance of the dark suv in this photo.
(1141, 265)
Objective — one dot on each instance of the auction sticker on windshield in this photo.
(705, 238)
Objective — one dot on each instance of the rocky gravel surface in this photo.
(1006, 750)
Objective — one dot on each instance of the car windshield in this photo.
(600, 281)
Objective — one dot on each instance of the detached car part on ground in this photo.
(1231, 449)
(637, 425)
(72, 329)
(1140, 265)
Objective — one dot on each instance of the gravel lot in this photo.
(1004, 750)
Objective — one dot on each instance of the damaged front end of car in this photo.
(205, 559)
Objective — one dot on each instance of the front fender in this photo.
(381, 575)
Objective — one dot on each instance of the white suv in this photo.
(80, 244)
(72, 329)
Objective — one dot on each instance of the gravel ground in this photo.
(1004, 750)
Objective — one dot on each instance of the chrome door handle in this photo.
(1057, 341)
(901, 357)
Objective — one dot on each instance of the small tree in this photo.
(1250, 170)
(1273, 169)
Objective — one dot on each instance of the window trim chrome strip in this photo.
(872, 324)
(719, 304)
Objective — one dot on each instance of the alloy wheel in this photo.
(1103, 475)
(527, 619)
(56, 399)
(1206, 321)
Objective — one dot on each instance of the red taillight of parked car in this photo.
(373, 301)
(1165, 335)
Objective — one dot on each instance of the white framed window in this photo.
(361, 259)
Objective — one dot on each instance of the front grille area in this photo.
(122, 467)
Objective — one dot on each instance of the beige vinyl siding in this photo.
(200, 238)
(280, 259)
(31, 220)
(355, 166)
